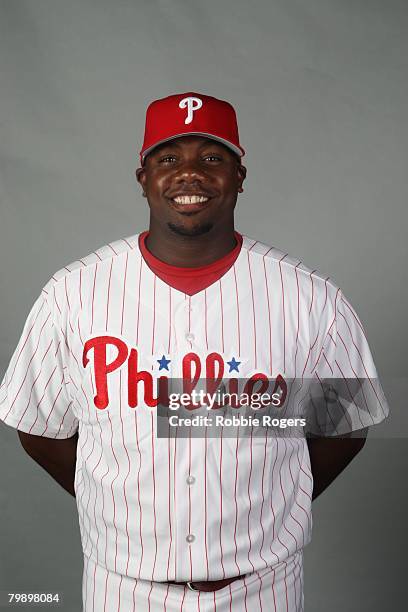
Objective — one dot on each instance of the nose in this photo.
(189, 172)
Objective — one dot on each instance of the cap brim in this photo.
(229, 145)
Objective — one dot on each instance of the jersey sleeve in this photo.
(346, 394)
(34, 396)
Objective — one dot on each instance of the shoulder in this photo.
(102, 256)
(291, 269)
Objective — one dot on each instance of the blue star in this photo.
(163, 363)
(233, 365)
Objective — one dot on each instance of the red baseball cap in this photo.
(190, 113)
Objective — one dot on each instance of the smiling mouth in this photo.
(190, 199)
(189, 203)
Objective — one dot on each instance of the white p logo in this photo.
(192, 104)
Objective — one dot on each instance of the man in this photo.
(173, 522)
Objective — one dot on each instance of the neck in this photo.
(190, 251)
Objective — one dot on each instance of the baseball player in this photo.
(182, 523)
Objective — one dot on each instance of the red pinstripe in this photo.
(323, 309)
(312, 291)
(222, 318)
(96, 488)
(93, 298)
(154, 313)
(96, 496)
(259, 592)
(127, 474)
(295, 501)
(269, 315)
(189, 318)
(273, 591)
(69, 306)
(138, 493)
(220, 473)
(108, 300)
(284, 513)
(283, 312)
(182, 602)
(103, 507)
(250, 506)
(80, 287)
(298, 313)
(32, 386)
(80, 453)
(189, 502)
(246, 595)
(286, 590)
(169, 499)
(63, 418)
(79, 332)
(138, 302)
(325, 299)
(272, 509)
(236, 503)
(328, 334)
(205, 317)
(89, 486)
(263, 500)
(294, 585)
(174, 496)
(307, 475)
(297, 337)
(205, 504)
(169, 342)
(236, 294)
(113, 496)
(106, 591)
(120, 585)
(165, 599)
(253, 310)
(326, 360)
(124, 292)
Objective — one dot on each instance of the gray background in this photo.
(320, 89)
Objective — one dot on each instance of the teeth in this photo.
(194, 199)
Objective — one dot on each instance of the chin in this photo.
(187, 230)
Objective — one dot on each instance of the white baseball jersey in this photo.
(151, 509)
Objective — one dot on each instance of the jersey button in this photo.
(190, 538)
(189, 337)
(190, 480)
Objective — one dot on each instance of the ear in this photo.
(141, 178)
(242, 171)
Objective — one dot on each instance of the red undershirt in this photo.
(190, 280)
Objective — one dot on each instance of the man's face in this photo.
(191, 184)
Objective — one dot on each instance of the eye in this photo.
(213, 156)
(166, 158)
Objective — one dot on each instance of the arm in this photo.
(56, 456)
(329, 457)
